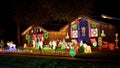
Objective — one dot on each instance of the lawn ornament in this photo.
(33, 41)
(94, 42)
(11, 46)
(100, 42)
(72, 52)
(105, 44)
(54, 43)
(111, 46)
(87, 48)
(40, 44)
(116, 40)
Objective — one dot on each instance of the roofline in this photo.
(29, 28)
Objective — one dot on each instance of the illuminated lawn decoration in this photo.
(105, 44)
(81, 49)
(87, 48)
(25, 45)
(11, 46)
(77, 48)
(116, 40)
(50, 43)
(100, 42)
(54, 43)
(94, 42)
(40, 44)
(111, 46)
(103, 34)
(74, 41)
(60, 44)
(72, 52)
(46, 47)
(59, 49)
(27, 37)
(33, 41)
(63, 44)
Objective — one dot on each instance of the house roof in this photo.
(108, 21)
(30, 27)
(97, 20)
(59, 26)
(48, 27)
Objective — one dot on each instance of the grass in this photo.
(30, 62)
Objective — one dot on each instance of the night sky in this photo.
(108, 7)
(8, 26)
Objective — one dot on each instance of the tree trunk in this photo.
(18, 33)
(69, 30)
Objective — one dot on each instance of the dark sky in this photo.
(109, 7)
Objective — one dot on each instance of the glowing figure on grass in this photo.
(87, 48)
(81, 43)
(94, 42)
(60, 43)
(81, 49)
(11, 46)
(50, 43)
(100, 43)
(54, 43)
(33, 42)
(40, 44)
(64, 44)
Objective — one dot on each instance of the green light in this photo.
(81, 48)
(46, 35)
(72, 52)
(74, 27)
(93, 25)
(47, 48)
(26, 36)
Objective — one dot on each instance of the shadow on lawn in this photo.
(30, 62)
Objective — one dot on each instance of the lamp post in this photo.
(116, 40)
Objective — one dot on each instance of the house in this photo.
(83, 29)
(47, 32)
(86, 29)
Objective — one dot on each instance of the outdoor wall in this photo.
(109, 30)
(56, 35)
